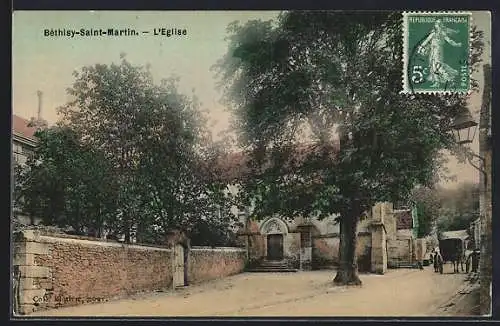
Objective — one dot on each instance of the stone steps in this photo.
(404, 265)
(271, 270)
(272, 267)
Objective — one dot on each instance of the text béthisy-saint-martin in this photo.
(83, 32)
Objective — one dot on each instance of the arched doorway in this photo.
(274, 231)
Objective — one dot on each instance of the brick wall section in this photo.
(403, 220)
(57, 272)
(208, 264)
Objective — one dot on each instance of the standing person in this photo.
(436, 259)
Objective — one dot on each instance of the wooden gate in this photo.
(178, 266)
(275, 247)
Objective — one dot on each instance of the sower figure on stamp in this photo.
(440, 73)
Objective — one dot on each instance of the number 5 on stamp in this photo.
(436, 52)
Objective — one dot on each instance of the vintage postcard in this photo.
(251, 164)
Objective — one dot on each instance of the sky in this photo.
(46, 63)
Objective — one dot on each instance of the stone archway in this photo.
(274, 231)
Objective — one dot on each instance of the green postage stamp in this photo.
(436, 52)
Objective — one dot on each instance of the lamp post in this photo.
(464, 128)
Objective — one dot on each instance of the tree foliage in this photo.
(448, 209)
(459, 207)
(428, 202)
(128, 153)
(328, 72)
(67, 183)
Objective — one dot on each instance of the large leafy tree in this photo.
(67, 183)
(178, 163)
(156, 142)
(110, 105)
(318, 74)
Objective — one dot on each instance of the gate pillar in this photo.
(379, 238)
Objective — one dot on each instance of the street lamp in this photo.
(464, 129)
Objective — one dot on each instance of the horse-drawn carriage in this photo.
(452, 248)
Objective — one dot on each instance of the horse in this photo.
(457, 260)
(457, 257)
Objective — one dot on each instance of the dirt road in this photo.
(402, 292)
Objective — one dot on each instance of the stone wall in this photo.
(390, 226)
(54, 271)
(399, 252)
(420, 248)
(326, 251)
(257, 246)
(292, 250)
(256, 242)
(207, 264)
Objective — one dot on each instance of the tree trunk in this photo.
(139, 234)
(347, 274)
(127, 229)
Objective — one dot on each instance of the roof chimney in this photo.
(39, 93)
